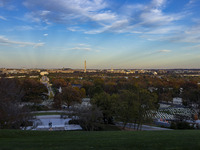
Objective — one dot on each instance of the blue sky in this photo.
(114, 34)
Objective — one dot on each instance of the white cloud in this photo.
(191, 4)
(164, 51)
(63, 11)
(99, 16)
(6, 42)
(190, 35)
(27, 28)
(3, 18)
(119, 26)
(23, 28)
(104, 16)
(31, 17)
(195, 47)
(74, 29)
(193, 30)
(158, 3)
(7, 5)
(82, 48)
(45, 34)
(155, 17)
(166, 30)
(82, 44)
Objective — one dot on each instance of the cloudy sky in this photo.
(107, 33)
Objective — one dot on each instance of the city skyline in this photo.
(118, 34)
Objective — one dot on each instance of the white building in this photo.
(43, 73)
(177, 101)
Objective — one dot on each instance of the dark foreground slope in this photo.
(108, 140)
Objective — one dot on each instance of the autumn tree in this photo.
(110, 87)
(68, 96)
(34, 91)
(56, 83)
(87, 85)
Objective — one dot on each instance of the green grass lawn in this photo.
(99, 140)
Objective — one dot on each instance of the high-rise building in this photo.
(85, 67)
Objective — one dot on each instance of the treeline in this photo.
(125, 99)
(166, 87)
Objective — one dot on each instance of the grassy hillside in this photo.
(104, 140)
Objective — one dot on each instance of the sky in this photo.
(117, 34)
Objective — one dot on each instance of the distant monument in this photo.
(85, 67)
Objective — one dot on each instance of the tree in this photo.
(110, 87)
(97, 89)
(69, 96)
(191, 96)
(134, 106)
(180, 122)
(11, 114)
(147, 102)
(191, 93)
(89, 118)
(87, 85)
(81, 91)
(59, 83)
(34, 91)
(106, 104)
(126, 107)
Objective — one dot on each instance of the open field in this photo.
(108, 140)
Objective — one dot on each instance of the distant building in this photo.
(85, 103)
(34, 77)
(43, 73)
(77, 85)
(155, 73)
(164, 104)
(60, 90)
(65, 70)
(177, 101)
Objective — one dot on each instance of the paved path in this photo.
(57, 123)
